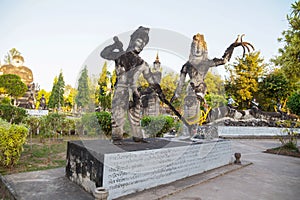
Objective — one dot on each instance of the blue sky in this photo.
(54, 35)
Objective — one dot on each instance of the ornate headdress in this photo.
(142, 33)
(199, 40)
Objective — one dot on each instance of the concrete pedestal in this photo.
(131, 167)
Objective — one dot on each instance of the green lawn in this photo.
(42, 155)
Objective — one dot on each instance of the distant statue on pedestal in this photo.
(31, 102)
(149, 98)
(17, 67)
(43, 102)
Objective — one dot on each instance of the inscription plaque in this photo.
(129, 172)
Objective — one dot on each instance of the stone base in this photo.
(131, 167)
(239, 131)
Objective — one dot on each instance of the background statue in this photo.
(42, 103)
(17, 68)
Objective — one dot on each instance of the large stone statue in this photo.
(199, 64)
(16, 67)
(129, 66)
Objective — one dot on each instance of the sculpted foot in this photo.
(138, 139)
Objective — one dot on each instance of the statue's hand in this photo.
(245, 45)
(118, 44)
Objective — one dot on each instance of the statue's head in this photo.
(198, 47)
(17, 60)
(139, 39)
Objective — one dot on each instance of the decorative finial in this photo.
(157, 59)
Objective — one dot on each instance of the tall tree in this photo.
(113, 80)
(104, 84)
(53, 94)
(168, 84)
(13, 52)
(214, 83)
(56, 99)
(273, 88)
(289, 55)
(244, 76)
(61, 87)
(103, 80)
(69, 97)
(83, 92)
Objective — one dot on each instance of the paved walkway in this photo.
(269, 177)
(46, 185)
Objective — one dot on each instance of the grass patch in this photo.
(39, 156)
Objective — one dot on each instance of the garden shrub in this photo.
(293, 103)
(68, 126)
(104, 120)
(51, 124)
(33, 123)
(12, 138)
(90, 123)
(158, 125)
(12, 114)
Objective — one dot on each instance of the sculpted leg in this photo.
(134, 117)
(119, 106)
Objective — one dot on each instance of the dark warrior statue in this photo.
(129, 66)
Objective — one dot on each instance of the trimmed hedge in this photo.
(12, 138)
(157, 126)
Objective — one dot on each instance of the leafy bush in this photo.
(289, 141)
(157, 126)
(12, 138)
(33, 123)
(12, 114)
(95, 123)
(68, 126)
(104, 120)
(293, 103)
(291, 146)
(90, 123)
(5, 100)
(52, 123)
(215, 100)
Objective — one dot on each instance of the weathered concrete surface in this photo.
(46, 185)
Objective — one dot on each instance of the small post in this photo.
(237, 158)
(100, 193)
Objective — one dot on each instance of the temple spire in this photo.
(157, 58)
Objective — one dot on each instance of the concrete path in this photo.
(46, 185)
(269, 177)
